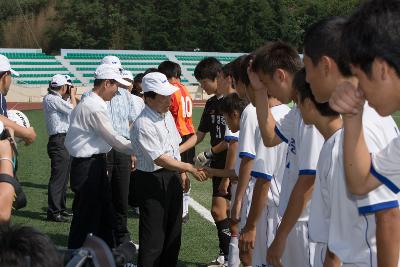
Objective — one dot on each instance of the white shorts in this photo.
(246, 203)
(266, 229)
(319, 255)
(299, 251)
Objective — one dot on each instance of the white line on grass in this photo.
(205, 213)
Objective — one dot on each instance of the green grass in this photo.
(199, 239)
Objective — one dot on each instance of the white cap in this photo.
(112, 60)
(158, 83)
(126, 74)
(58, 80)
(5, 65)
(69, 80)
(110, 72)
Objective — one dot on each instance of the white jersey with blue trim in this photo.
(248, 129)
(334, 217)
(270, 161)
(304, 145)
(378, 132)
(229, 135)
(385, 166)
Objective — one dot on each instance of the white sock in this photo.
(185, 209)
(233, 258)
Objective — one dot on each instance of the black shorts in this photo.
(188, 155)
(216, 181)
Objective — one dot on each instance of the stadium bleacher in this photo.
(36, 68)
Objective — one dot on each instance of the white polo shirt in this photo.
(304, 145)
(154, 134)
(270, 161)
(91, 131)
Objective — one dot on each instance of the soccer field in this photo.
(199, 239)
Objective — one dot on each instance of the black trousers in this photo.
(92, 206)
(159, 195)
(60, 167)
(119, 172)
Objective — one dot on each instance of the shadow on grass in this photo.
(60, 240)
(34, 185)
(35, 215)
(190, 264)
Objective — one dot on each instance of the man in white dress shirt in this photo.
(57, 111)
(159, 185)
(89, 138)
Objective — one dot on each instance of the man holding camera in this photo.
(57, 110)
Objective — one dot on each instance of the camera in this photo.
(96, 253)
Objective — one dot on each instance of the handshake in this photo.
(200, 173)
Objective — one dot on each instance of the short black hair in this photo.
(26, 246)
(150, 94)
(244, 64)
(373, 32)
(303, 90)
(274, 55)
(208, 68)
(98, 82)
(138, 78)
(236, 67)
(323, 38)
(150, 70)
(231, 103)
(170, 69)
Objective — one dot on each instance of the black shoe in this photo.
(185, 218)
(56, 218)
(66, 213)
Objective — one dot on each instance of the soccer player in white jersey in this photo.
(341, 233)
(263, 218)
(273, 67)
(232, 108)
(321, 55)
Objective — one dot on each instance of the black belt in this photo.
(94, 156)
(57, 135)
(99, 156)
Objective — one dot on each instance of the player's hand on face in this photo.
(255, 81)
(223, 186)
(347, 99)
(185, 182)
(275, 252)
(29, 136)
(247, 239)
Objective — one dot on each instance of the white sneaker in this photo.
(218, 262)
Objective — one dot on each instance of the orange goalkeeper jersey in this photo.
(182, 108)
